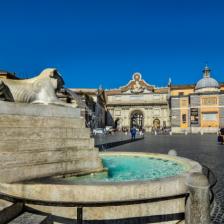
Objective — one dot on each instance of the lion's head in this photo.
(54, 76)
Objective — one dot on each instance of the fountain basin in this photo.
(128, 167)
(58, 189)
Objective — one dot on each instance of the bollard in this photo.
(197, 206)
(172, 152)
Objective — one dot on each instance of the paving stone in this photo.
(202, 148)
(29, 218)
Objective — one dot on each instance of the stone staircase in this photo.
(18, 214)
(40, 141)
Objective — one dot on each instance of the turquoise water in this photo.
(131, 168)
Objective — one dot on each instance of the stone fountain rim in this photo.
(190, 165)
(105, 191)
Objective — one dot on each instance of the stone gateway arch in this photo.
(137, 119)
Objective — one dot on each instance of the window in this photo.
(184, 103)
(156, 112)
(184, 118)
(209, 116)
(209, 101)
(117, 113)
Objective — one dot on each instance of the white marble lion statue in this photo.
(40, 89)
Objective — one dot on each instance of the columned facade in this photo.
(138, 104)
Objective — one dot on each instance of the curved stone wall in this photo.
(112, 192)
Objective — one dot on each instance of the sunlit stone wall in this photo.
(42, 140)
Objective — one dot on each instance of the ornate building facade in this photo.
(138, 104)
(93, 105)
(197, 108)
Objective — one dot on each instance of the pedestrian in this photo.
(221, 136)
(133, 133)
(126, 131)
(140, 132)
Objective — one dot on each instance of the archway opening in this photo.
(137, 119)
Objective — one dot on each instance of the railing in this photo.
(90, 204)
(96, 204)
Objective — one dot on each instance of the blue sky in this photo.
(102, 42)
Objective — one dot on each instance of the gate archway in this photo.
(137, 119)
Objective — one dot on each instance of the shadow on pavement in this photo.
(108, 145)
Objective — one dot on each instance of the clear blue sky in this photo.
(94, 42)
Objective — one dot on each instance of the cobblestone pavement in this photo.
(202, 148)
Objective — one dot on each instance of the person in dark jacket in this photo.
(221, 136)
(133, 133)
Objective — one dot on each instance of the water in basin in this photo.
(132, 168)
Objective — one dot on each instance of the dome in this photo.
(207, 82)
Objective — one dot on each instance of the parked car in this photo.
(99, 131)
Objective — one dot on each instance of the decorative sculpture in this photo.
(136, 86)
(40, 90)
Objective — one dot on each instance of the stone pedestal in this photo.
(44, 140)
(198, 206)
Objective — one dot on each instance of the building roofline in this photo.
(10, 75)
(184, 86)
